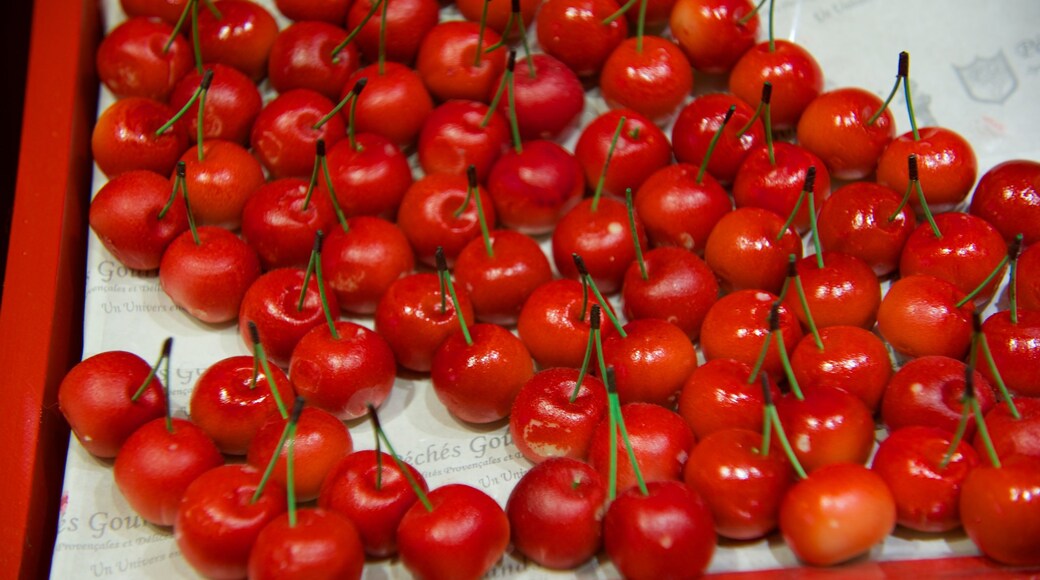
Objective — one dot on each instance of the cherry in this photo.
(923, 315)
(232, 104)
(168, 11)
(286, 132)
(555, 513)
(998, 513)
(827, 426)
(660, 440)
(868, 221)
(554, 323)
(714, 34)
(394, 105)
(852, 358)
(331, 11)
(623, 162)
(241, 37)
(964, 255)
(679, 211)
(369, 176)
(699, 121)
(454, 62)
(843, 291)
(555, 412)
(848, 128)
(929, 391)
(671, 284)
(1015, 349)
(647, 74)
(362, 259)
(1012, 432)
(399, 31)
(1028, 286)
(749, 248)
(722, 394)
(503, 16)
(573, 31)
(926, 485)
(307, 543)
(597, 230)
(222, 176)
(458, 134)
(142, 58)
(737, 325)
(438, 211)
(1008, 197)
(127, 137)
(774, 179)
(533, 187)
(304, 56)
(546, 95)
(793, 72)
(281, 219)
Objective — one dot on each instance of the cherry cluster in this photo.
(490, 266)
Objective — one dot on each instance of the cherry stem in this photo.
(309, 271)
(177, 30)
(767, 417)
(481, 219)
(770, 408)
(792, 274)
(807, 187)
(177, 181)
(606, 164)
(635, 236)
(381, 60)
(747, 17)
(640, 27)
(442, 267)
(905, 73)
(510, 80)
(357, 30)
(349, 97)
(352, 115)
(480, 33)
(971, 407)
(319, 238)
(711, 144)
(314, 178)
(764, 110)
(379, 458)
(904, 69)
(584, 273)
(593, 328)
(775, 332)
(584, 296)
(287, 432)
(323, 162)
(1013, 253)
(979, 342)
(196, 42)
(1013, 249)
(445, 275)
(260, 355)
(619, 12)
(164, 354)
(380, 433)
(914, 185)
(616, 418)
(772, 43)
(207, 78)
(472, 189)
(182, 180)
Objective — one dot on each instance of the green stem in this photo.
(207, 78)
(792, 274)
(711, 145)
(1013, 253)
(593, 327)
(442, 271)
(288, 431)
(606, 164)
(196, 43)
(904, 67)
(480, 34)
(615, 409)
(182, 179)
(323, 162)
(635, 235)
(781, 434)
(514, 124)
(357, 30)
(315, 252)
(484, 232)
(319, 238)
(164, 354)
(619, 12)
(397, 460)
(260, 355)
(747, 17)
(584, 273)
(979, 342)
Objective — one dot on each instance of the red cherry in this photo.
(652, 361)
(406, 24)
(794, 73)
(641, 150)
(372, 493)
(968, 251)
(230, 407)
(361, 262)
(855, 220)
(749, 248)
(1029, 278)
(548, 97)
(777, 186)
(499, 284)
(158, 462)
(679, 288)
(717, 395)
(435, 213)
(553, 326)
(852, 358)
(828, 426)
(331, 11)
(167, 10)
(845, 291)
(598, 231)
(302, 58)
(836, 128)
(448, 64)
(573, 32)
(1015, 347)
(221, 182)
(316, 542)
(711, 32)
(232, 104)
(929, 391)
(650, 75)
(1008, 197)
(678, 211)
(555, 513)
(284, 138)
(279, 228)
(96, 398)
(927, 493)
(700, 119)
(498, 13)
(454, 137)
(1001, 514)
(369, 179)
(545, 422)
(1011, 435)
(919, 316)
(660, 439)
(242, 37)
(125, 137)
(534, 187)
(133, 60)
(394, 104)
(737, 325)
(946, 163)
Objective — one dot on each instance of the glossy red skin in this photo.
(679, 288)
(284, 138)
(410, 318)
(853, 359)
(555, 513)
(361, 263)
(95, 398)
(968, 251)
(1029, 278)
(844, 292)
(545, 423)
(678, 211)
(717, 396)
(373, 499)
(478, 382)
(394, 104)
(744, 252)
(572, 31)
(319, 543)
(277, 226)
(227, 405)
(369, 180)
(700, 119)
(241, 38)
(795, 75)
(498, 13)
(551, 324)
(217, 523)
(660, 439)
(742, 487)
(547, 102)
(1016, 350)
(854, 221)
(301, 58)
(668, 533)
(167, 10)
(271, 304)
(844, 496)
(710, 32)
(210, 279)
(453, 138)
(1009, 435)
(1008, 197)
(343, 376)
(221, 183)
(124, 137)
(533, 188)
(427, 217)
(131, 60)
(946, 166)
(407, 23)
(927, 494)
(447, 58)
(653, 82)
(464, 521)
(603, 239)
(1000, 512)
(641, 150)
(155, 466)
(652, 362)
(499, 285)
(321, 441)
(331, 11)
(776, 187)
(737, 325)
(834, 127)
(929, 391)
(919, 316)
(232, 104)
(829, 426)
(124, 215)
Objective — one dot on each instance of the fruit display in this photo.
(556, 288)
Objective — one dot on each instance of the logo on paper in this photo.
(988, 80)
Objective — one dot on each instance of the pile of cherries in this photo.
(291, 213)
